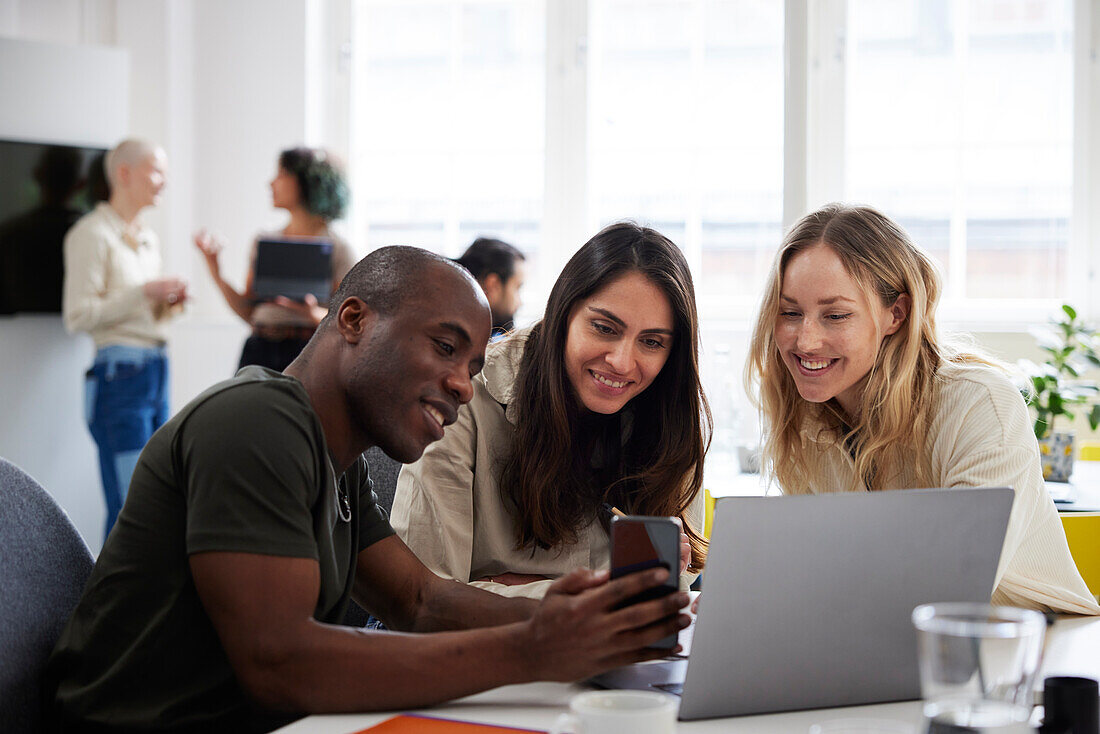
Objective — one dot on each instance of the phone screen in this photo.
(639, 543)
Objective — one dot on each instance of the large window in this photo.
(954, 116)
(719, 122)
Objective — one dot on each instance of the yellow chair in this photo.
(708, 516)
(1090, 451)
(1083, 535)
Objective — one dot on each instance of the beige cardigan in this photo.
(105, 279)
(981, 437)
(448, 506)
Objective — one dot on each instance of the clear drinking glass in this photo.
(978, 665)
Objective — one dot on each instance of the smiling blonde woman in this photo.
(858, 393)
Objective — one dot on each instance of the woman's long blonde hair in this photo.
(889, 431)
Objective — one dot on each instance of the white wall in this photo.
(248, 88)
(56, 93)
(223, 86)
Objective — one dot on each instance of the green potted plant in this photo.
(1056, 389)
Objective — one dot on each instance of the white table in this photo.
(1083, 487)
(1073, 648)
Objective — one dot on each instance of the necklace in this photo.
(343, 502)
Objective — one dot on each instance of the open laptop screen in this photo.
(807, 599)
(810, 596)
(293, 267)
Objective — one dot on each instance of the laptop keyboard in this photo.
(673, 688)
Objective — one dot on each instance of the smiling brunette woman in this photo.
(858, 393)
(598, 405)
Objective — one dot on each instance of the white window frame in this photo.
(1085, 222)
(565, 194)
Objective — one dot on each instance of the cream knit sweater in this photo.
(981, 437)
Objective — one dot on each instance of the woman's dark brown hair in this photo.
(322, 187)
(548, 475)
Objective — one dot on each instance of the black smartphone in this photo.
(640, 542)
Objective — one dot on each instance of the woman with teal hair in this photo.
(311, 187)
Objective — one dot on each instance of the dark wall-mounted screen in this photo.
(44, 189)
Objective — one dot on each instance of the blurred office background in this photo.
(975, 123)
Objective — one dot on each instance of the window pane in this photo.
(959, 124)
(448, 122)
(686, 133)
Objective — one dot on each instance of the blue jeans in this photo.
(125, 400)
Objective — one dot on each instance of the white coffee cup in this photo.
(619, 712)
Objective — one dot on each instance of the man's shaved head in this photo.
(396, 355)
(387, 277)
(129, 152)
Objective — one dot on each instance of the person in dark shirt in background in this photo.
(499, 270)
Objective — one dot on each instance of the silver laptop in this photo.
(807, 599)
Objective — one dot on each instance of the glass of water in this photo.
(978, 665)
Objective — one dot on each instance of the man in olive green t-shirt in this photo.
(216, 601)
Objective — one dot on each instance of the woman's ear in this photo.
(899, 312)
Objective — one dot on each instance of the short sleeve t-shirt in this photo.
(242, 468)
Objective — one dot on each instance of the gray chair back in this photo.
(44, 564)
(383, 472)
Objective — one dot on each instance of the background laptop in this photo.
(293, 267)
(807, 599)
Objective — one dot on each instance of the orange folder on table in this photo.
(416, 724)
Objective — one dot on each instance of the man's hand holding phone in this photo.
(640, 542)
(582, 627)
